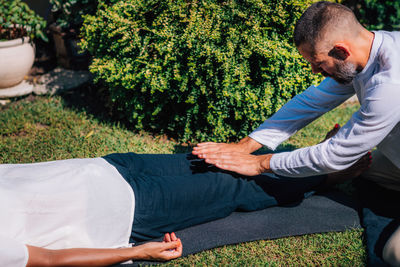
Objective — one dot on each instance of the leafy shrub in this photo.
(377, 14)
(17, 20)
(199, 70)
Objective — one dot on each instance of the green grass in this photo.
(41, 128)
(329, 249)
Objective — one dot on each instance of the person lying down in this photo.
(88, 212)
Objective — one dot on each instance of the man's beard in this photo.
(345, 72)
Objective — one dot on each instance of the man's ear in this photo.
(339, 52)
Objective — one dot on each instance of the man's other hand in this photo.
(242, 163)
(246, 145)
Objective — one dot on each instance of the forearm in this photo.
(81, 256)
(299, 112)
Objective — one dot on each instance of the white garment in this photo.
(375, 123)
(81, 203)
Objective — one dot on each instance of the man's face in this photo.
(329, 66)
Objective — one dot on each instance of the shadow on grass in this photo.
(91, 99)
(94, 100)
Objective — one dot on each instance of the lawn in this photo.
(42, 128)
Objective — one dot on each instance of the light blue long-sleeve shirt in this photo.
(376, 123)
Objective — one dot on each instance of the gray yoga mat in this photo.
(331, 211)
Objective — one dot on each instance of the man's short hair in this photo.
(321, 18)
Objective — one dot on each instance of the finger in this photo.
(180, 247)
(173, 253)
(200, 151)
(171, 250)
(205, 144)
(227, 162)
(207, 149)
(167, 237)
(202, 147)
(225, 158)
(172, 245)
(226, 155)
(173, 237)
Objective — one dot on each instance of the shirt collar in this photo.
(376, 44)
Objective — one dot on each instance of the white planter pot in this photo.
(16, 59)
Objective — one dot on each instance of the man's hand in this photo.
(170, 248)
(246, 145)
(242, 163)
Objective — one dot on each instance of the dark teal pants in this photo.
(177, 191)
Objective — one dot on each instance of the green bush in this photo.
(197, 70)
(377, 14)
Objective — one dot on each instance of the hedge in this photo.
(197, 70)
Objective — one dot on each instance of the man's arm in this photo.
(170, 248)
(294, 115)
(378, 116)
(300, 111)
(247, 164)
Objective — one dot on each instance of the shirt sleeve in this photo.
(300, 111)
(378, 115)
(13, 253)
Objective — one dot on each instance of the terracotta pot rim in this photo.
(14, 42)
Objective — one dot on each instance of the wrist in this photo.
(138, 253)
(248, 145)
(265, 163)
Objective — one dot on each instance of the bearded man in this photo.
(354, 61)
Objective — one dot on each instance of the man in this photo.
(353, 60)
